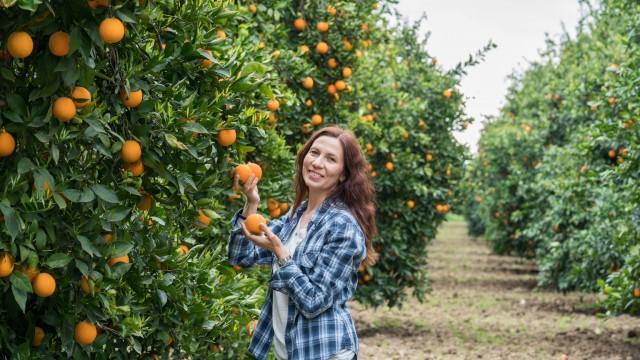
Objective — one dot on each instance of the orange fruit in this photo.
(299, 24)
(255, 169)
(316, 119)
(405, 135)
(81, 96)
(107, 237)
(251, 327)
(636, 292)
(275, 53)
(203, 218)
(7, 144)
(6, 265)
(284, 207)
(131, 151)
(369, 147)
(84, 286)
(136, 168)
(389, 166)
(307, 83)
(38, 335)
(59, 43)
(346, 72)
(183, 249)
(309, 103)
(358, 53)
(145, 203)
(411, 204)
(428, 157)
(221, 34)
(253, 222)
(273, 105)
(94, 4)
(347, 45)
(322, 26)
(612, 100)
(252, 8)
(111, 30)
(272, 118)
(44, 285)
(306, 128)
(331, 10)
(226, 137)
(124, 259)
(340, 85)
(612, 153)
(131, 100)
(304, 49)
(205, 63)
(243, 171)
(322, 48)
(20, 44)
(447, 93)
(331, 89)
(332, 63)
(272, 204)
(64, 109)
(275, 212)
(85, 333)
(364, 27)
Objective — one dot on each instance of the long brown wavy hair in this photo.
(356, 190)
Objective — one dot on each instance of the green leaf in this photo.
(253, 68)
(30, 5)
(118, 248)
(116, 214)
(105, 193)
(58, 260)
(10, 219)
(266, 91)
(25, 165)
(87, 196)
(83, 267)
(72, 194)
(20, 296)
(17, 104)
(174, 142)
(7, 75)
(87, 246)
(20, 281)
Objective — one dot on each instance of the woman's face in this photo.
(323, 166)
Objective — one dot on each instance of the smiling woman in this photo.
(325, 237)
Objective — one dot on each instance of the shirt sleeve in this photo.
(242, 251)
(314, 292)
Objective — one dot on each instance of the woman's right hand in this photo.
(249, 189)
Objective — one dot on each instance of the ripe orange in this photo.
(59, 43)
(411, 204)
(226, 137)
(205, 63)
(255, 169)
(81, 96)
(44, 285)
(252, 8)
(38, 335)
(299, 24)
(331, 89)
(111, 30)
(322, 48)
(253, 222)
(636, 292)
(7, 144)
(145, 203)
(273, 105)
(136, 168)
(64, 109)
(322, 26)
(389, 166)
(20, 44)
(183, 249)
(331, 10)
(405, 135)
(272, 118)
(243, 171)
(107, 237)
(118, 259)
(340, 85)
(94, 4)
(332, 63)
(612, 153)
(346, 72)
(309, 103)
(428, 157)
(275, 212)
(447, 93)
(316, 119)
(221, 34)
(6, 265)
(84, 286)
(131, 100)
(284, 207)
(131, 151)
(203, 219)
(85, 333)
(304, 49)
(612, 100)
(272, 204)
(307, 83)
(347, 44)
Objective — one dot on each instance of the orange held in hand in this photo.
(256, 170)
(243, 171)
(253, 222)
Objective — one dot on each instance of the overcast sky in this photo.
(461, 27)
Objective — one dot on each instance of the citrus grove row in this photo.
(557, 176)
(122, 123)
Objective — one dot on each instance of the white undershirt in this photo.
(280, 301)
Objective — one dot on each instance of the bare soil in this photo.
(485, 306)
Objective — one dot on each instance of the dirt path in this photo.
(486, 307)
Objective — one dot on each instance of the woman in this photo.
(315, 251)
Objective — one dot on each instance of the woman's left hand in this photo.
(267, 240)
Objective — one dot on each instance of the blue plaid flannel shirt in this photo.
(319, 281)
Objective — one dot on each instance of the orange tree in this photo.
(559, 166)
(120, 123)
